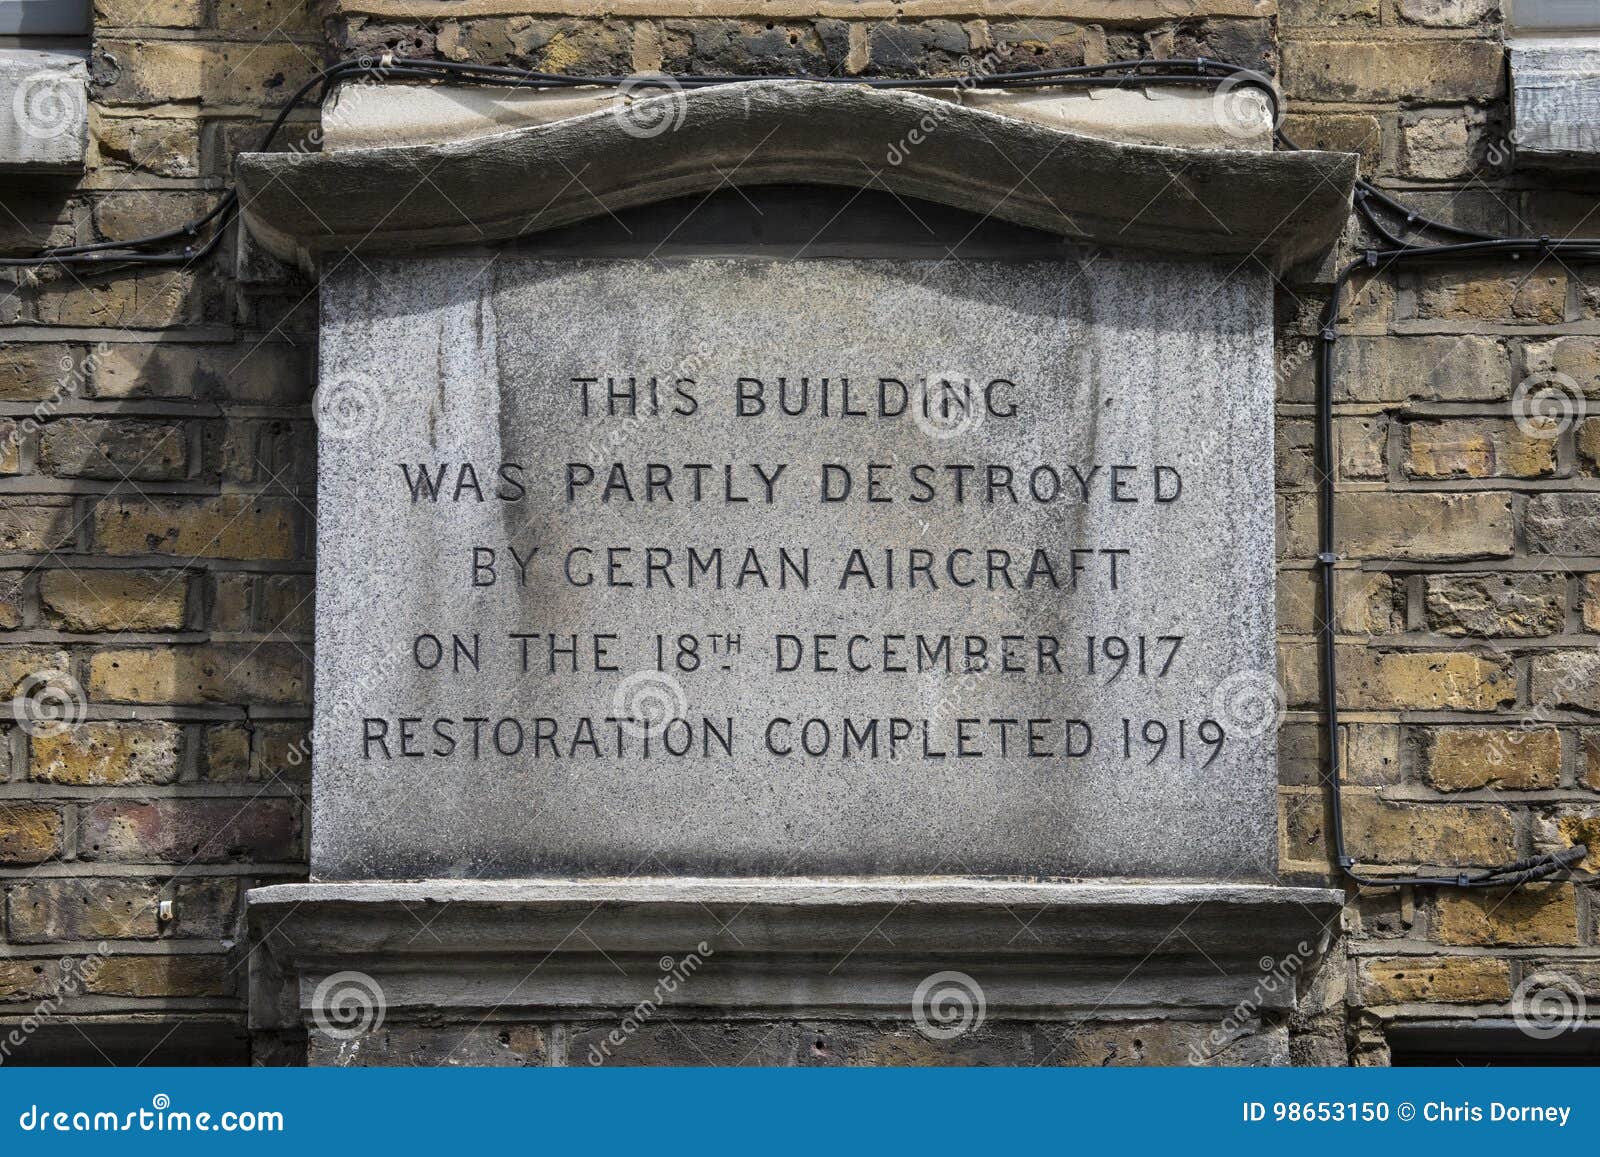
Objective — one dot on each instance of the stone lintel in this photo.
(1020, 162)
(855, 948)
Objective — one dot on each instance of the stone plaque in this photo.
(730, 566)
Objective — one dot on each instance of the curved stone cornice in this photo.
(1280, 206)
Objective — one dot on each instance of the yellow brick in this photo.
(83, 909)
(1425, 527)
(25, 979)
(1435, 979)
(1364, 604)
(164, 146)
(1494, 297)
(227, 753)
(35, 527)
(1478, 448)
(1402, 680)
(11, 584)
(144, 301)
(160, 976)
(17, 664)
(1304, 826)
(149, 13)
(1385, 833)
(264, 18)
(232, 526)
(108, 753)
(1467, 758)
(269, 673)
(1532, 914)
(1571, 828)
(1341, 133)
(1387, 70)
(29, 833)
(217, 76)
(110, 600)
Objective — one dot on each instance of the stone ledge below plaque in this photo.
(1203, 202)
(455, 952)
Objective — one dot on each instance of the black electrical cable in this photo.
(115, 255)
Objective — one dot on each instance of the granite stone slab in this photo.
(667, 640)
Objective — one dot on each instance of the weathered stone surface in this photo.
(1469, 758)
(1564, 523)
(114, 600)
(92, 908)
(232, 526)
(29, 833)
(1567, 679)
(1407, 980)
(1479, 448)
(1398, 369)
(1531, 914)
(1284, 204)
(776, 807)
(137, 451)
(486, 1046)
(1505, 605)
(105, 753)
(261, 673)
(1377, 831)
(191, 831)
(45, 94)
(784, 950)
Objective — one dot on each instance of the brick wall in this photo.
(158, 486)
(158, 507)
(1468, 608)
